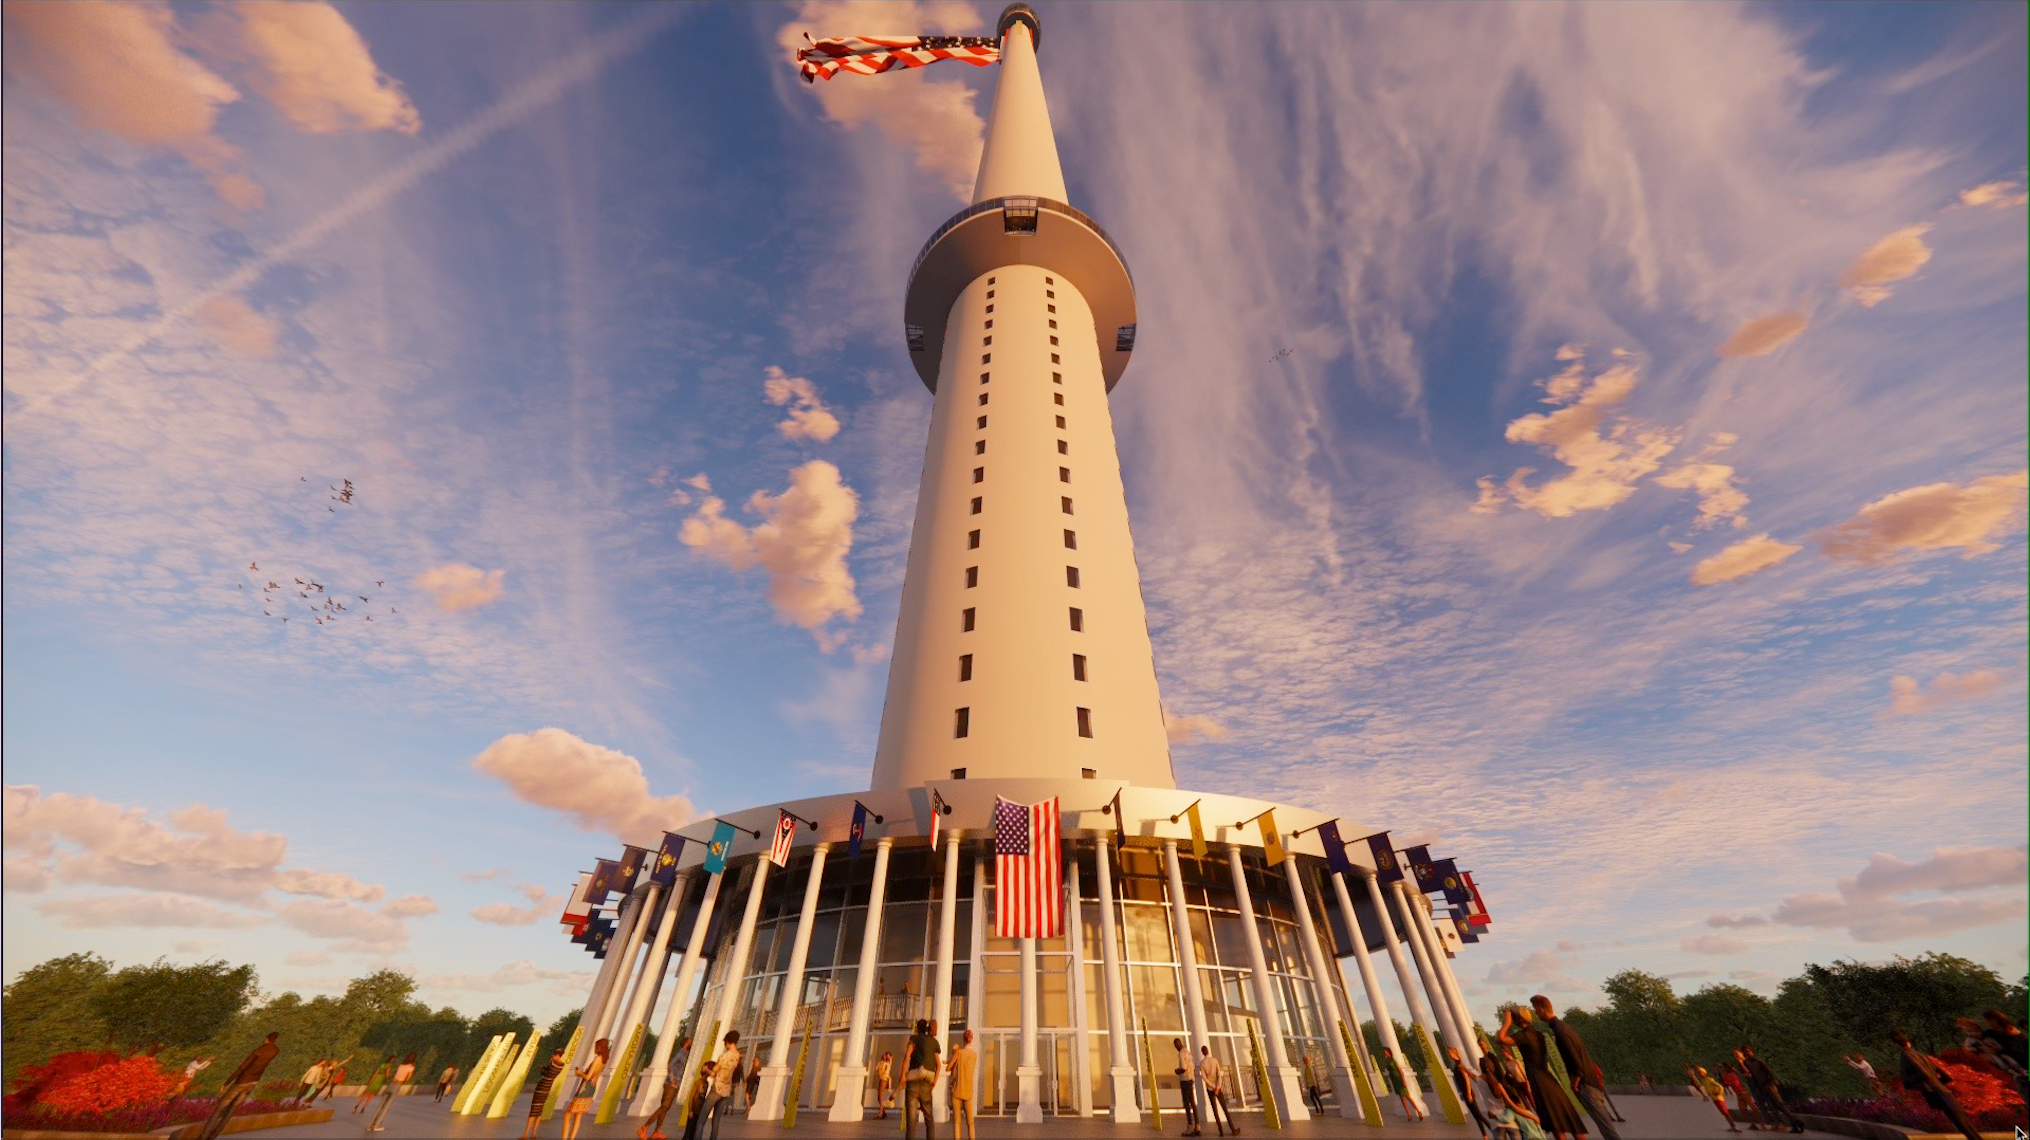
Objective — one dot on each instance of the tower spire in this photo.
(1020, 157)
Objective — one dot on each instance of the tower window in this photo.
(968, 615)
(981, 424)
(965, 666)
(958, 773)
(972, 576)
(983, 377)
(990, 281)
(979, 447)
(1071, 576)
(1060, 423)
(1088, 773)
(1077, 620)
(1066, 500)
(972, 540)
(1064, 474)
(1063, 448)
(980, 474)
(984, 342)
(990, 308)
(983, 399)
(1077, 666)
(1053, 340)
(989, 324)
(962, 723)
(1057, 396)
(976, 504)
(1057, 378)
(1053, 324)
(1052, 308)
(986, 358)
(1071, 540)
(1052, 293)
(1050, 280)
(1053, 356)
(1085, 723)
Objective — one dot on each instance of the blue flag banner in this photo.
(1386, 868)
(722, 844)
(1465, 928)
(631, 860)
(1450, 881)
(857, 832)
(603, 873)
(664, 871)
(1335, 848)
(1418, 860)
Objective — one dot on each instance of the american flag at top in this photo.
(1028, 894)
(872, 55)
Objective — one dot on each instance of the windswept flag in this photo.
(1450, 882)
(1386, 868)
(1418, 859)
(665, 869)
(785, 837)
(721, 846)
(937, 811)
(857, 832)
(1477, 914)
(1272, 840)
(1462, 922)
(872, 55)
(1335, 848)
(631, 859)
(578, 908)
(1027, 878)
(1197, 832)
(602, 884)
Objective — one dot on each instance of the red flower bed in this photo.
(144, 1118)
(36, 1081)
(1988, 1098)
(130, 1083)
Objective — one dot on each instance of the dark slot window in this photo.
(979, 447)
(983, 397)
(976, 504)
(958, 773)
(1058, 396)
(981, 424)
(1077, 619)
(968, 615)
(1066, 500)
(972, 540)
(1071, 576)
(962, 723)
(984, 342)
(1064, 474)
(1050, 280)
(1053, 359)
(1088, 773)
(1060, 423)
(1085, 723)
(1053, 324)
(1077, 666)
(1057, 378)
(1052, 308)
(1071, 540)
(989, 324)
(965, 666)
(979, 474)
(972, 576)
(1053, 356)
(983, 377)
(990, 308)
(1063, 448)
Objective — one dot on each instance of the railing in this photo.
(1047, 205)
(887, 1011)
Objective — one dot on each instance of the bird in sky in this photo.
(377, 582)
(252, 566)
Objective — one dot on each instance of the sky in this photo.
(1589, 438)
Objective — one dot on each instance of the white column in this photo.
(634, 926)
(1187, 959)
(1384, 1024)
(1028, 1073)
(1413, 933)
(769, 1098)
(1074, 929)
(680, 1004)
(1405, 978)
(1283, 1078)
(743, 942)
(595, 1000)
(1121, 1069)
(1469, 1046)
(645, 991)
(947, 944)
(1369, 982)
(850, 1088)
(1328, 1002)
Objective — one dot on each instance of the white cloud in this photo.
(802, 542)
(1868, 909)
(152, 909)
(517, 973)
(1764, 335)
(1907, 697)
(237, 327)
(599, 788)
(353, 929)
(1732, 922)
(1895, 258)
(1194, 729)
(1936, 516)
(410, 906)
(328, 884)
(120, 847)
(308, 958)
(934, 118)
(1949, 869)
(314, 67)
(1712, 944)
(1541, 970)
(544, 905)
(1608, 453)
(1719, 499)
(809, 419)
(455, 586)
(26, 875)
(1997, 195)
(1749, 556)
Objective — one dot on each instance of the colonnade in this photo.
(625, 989)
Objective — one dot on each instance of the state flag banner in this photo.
(1120, 824)
(578, 908)
(857, 832)
(937, 812)
(1272, 840)
(667, 857)
(1450, 882)
(1386, 867)
(603, 874)
(1335, 848)
(631, 860)
(1028, 880)
(1198, 848)
(720, 847)
(1418, 859)
(785, 838)
(1477, 915)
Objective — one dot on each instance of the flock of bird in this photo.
(324, 608)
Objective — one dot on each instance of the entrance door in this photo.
(1001, 1081)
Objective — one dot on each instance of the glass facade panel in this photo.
(1146, 930)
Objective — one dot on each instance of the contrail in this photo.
(577, 68)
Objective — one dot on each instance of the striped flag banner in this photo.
(872, 55)
(1028, 891)
(785, 838)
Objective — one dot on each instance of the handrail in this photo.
(1051, 205)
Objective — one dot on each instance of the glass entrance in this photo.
(1001, 1086)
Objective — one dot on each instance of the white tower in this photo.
(1022, 647)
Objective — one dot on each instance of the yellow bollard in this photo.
(1270, 1117)
(564, 1078)
(1447, 1098)
(1149, 1074)
(490, 1080)
(466, 1090)
(511, 1086)
(616, 1083)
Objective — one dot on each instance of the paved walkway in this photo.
(1649, 1118)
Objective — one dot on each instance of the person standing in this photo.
(1586, 1084)
(1311, 1083)
(1714, 1091)
(701, 1093)
(725, 1078)
(964, 1064)
(312, 1078)
(444, 1080)
(397, 1081)
(1213, 1075)
(884, 1081)
(1397, 1080)
(1762, 1082)
(1923, 1074)
(1185, 1090)
(1860, 1064)
(238, 1086)
(1509, 1116)
(546, 1082)
(652, 1128)
(588, 1086)
(919, 1075)
(1731, 1083)
(373, 1085)
(197, 1065)
(1555, 1113)
(1466, 1090)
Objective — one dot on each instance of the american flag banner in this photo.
(785, 835)
(872, 55)
(1028, 894)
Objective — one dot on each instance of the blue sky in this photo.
(1729, 680)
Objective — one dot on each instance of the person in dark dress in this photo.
(1762, 1081)
(1586, 1082)
(1556, 1113)
(544, 1083)
(1926, 1076)
(239, 1085)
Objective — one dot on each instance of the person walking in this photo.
(652, 1128)
(1921, 1073)
(588, 1085)
(312, 1078)
(1555, 1112)
(919, 1076)
(1393, 1076)
(884, 1079)
(373, 1085)
(1714, 1091)
(1860, 1065)
(1586, 1083)
(334, 1077)
(725, 1078)
(1762, 1082)
(1185, 1088)
(753, 1080)
(701, 1092)
(1213, 1075)
(963, 1065)
(399, 1080)
(1509, 1115)
(1316, 1095)
(238, 1086)
(2008, 1047)
(545, 1082)
(1466, 1090)
(1730, 1082)
(1601, 1079)
(197, 1065)
(445, 1079)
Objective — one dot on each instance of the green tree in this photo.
(560, 1031)
(1721, 1018)
(49, 1011)
(1920, 996)
(435, 1039)
(489, 1025)
(1807, 1046)
(148, 1007)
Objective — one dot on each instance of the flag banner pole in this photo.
(1370, 1108)
(698, 1051)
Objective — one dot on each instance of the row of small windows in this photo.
(969, 618)
(1077, 667)
(962, 727)
(1071, 578)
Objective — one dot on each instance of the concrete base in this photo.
(1029, 1087)
(1125, 1111)
(768, 1096)
(1288, 1085)
(648, 1094)
(1347, 1095)
(849, 1094)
